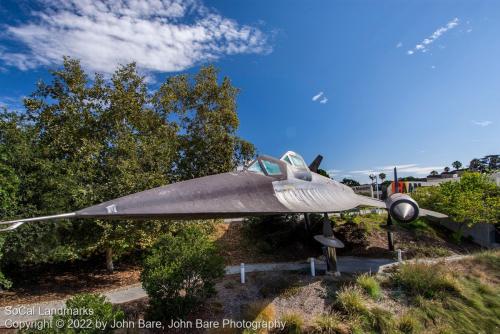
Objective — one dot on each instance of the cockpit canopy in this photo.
(269, 166)
(290, 165)
(294, 159)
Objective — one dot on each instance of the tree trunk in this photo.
(109, 259)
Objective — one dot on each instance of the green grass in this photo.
(293, 323)
(328, 324)
(450, 298)
(370, 285)
(409, 324)
(428, 280)
(351, 301)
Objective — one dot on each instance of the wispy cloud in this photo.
(317, 96)
(402, 168)
(400, 44)
(159, 35)
(482, 123)
(320, 97)
(425, 44)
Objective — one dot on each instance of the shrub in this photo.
(381, 320)
(180, 272)
(408, 324)
(424, 279)
(328, 324)
(293, 323)
(350, 299)
(370, 285)
(87, 312)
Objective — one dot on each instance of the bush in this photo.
(408, 324)
(381, 320)
(87, 312)
(370, 285)
(350, 299)
(423, 279)
(328, 324)
(180, 272)
(293, 323)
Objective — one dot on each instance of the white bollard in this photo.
(400, 256)
(313, 268)
(242, 273)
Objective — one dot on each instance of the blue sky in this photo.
(408, 83)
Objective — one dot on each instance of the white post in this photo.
(242, 273)
(313, 268)
(400, 257)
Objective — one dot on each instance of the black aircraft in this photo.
(267, 186)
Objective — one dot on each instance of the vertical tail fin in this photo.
(313, 167)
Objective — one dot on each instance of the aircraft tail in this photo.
(313, 167)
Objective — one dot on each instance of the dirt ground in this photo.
(58, 282)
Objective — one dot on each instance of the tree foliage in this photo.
(457, 164)
(85, 140)
(472, 199)
(350, 182)
(90, 314)
(180, 272)
(488, 163)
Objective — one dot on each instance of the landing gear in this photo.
(328, 250)
(390, 236)
(307, 223)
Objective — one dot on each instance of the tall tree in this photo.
(457, 165)
(93, 141)
(206, 112)
(382, 177)
(82, 142)
(476, 165)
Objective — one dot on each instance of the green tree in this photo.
(84, 141)
(323, 172)
(472, 199)
(382, 177)
(434, 173)
(95, 315)
(180, 272)
(476, 165)
(206, 112)
(457, 165)
(446, 169)
(350, 182)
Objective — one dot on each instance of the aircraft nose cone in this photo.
(404, 211)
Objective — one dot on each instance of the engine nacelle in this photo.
(402, 207)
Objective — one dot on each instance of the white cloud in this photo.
(482, 123)
(333, 172)
(400, 44)
(321, 97)
(317, 96)
(160, 35)
(402, 168)
(424, 45)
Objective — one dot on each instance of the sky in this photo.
(368, 84)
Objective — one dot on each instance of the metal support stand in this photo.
(307, 223)
(330, 253)
(390, 237)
